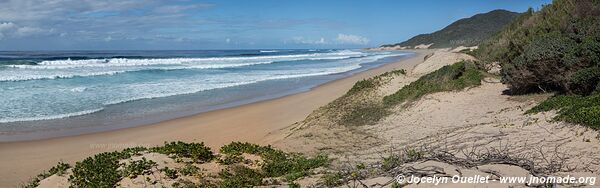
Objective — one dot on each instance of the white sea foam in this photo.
(78, 89)
(213, 62)
(49, 117)
(62, 69)
(188, 88)
(119, 92)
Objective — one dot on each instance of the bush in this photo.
(585, 81)
(575, 109)
(189, 170)
(276, 162)
(362, 85)
(548, 49)
(100, 170)
(59, 169)
(240, 176)
(171, 173)
(139, 167)
(195, 151)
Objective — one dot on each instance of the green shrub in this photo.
(171, 173)
(294, 165)
(276, 162)
(189, 170)
(575, 109)
(101, 170)
(240, 176)
(139, 167)
(548, 49)
(372, 83)
(362, 85)
(230, 159)
(585, 81)
(59, 169)
(195, 151)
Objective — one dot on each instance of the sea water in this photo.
(54, 90)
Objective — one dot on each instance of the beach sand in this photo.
(252, 123)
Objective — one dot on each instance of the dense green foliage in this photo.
(100, 170)
(554, 49)
(573, 108)
(464, 32)
(448, 78)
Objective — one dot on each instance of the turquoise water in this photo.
(58, 90)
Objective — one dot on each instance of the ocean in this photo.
(60, 90)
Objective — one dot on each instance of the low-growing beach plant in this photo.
(60, 169)
(100, 170)
(139, 167)
(276, 162)
(372, 83)
(573, 108)
(105, 169)
(195, 151)
(240, 176)
(171, 173)
(230, 159)
(189, 170)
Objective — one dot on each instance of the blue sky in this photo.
(228, 24)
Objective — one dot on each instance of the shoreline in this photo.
(249, 122)
(93, 123)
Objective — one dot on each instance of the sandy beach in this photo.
(251, 123)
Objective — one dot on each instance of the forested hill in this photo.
(464, 32)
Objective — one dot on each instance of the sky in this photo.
(228, 24)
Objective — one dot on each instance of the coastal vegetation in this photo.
(60, 169)
(110, 168)
(448, 78)
(555, 49)
(453, 77)
(464, 32)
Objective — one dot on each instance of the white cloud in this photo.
(10, 29)
(174, 9)
(351, 39)
(7, 26)
(302, 40)
(29, 31)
